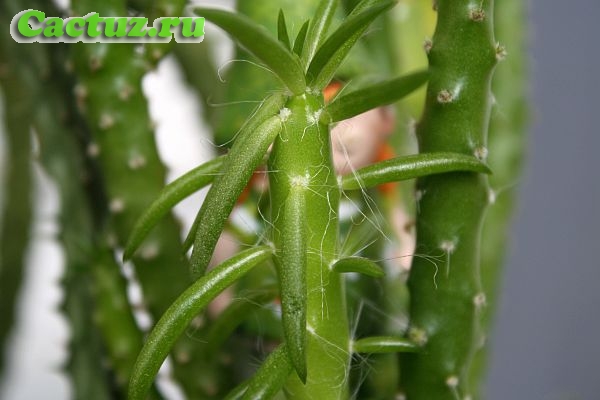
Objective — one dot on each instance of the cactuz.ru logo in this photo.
(33, 26)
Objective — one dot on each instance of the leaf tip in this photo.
(296, 345)
(301, 370)
(128, 252)
(484, 168)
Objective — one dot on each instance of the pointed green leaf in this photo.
(241, 162)
(359, 265)
(257, 40)
(383, 93)
(270, 377)
(413, 166)
(318, 29)
(179, 315)
(384, 344)
(364, 5)
(172, 194)
(282, 31)
(331, 54)
(292, 260)
(271, 106)
(301, 38)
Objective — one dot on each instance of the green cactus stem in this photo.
(446, 300)
(109, 91)
(110, 96)
(302, 165)
(162, 9)
(59, 155)
(95, 290)
(16, 203)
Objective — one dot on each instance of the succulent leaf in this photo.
(271, 106)
(270, 377)
(318, 29)
(171, 195)
(380, 94)
(413, 166)
(337, 46)
(257, 40)
(301, 38)
(175, 320)
(245, 155)
(384, 344)
(292, 278)
(282, 30)
(358, 265)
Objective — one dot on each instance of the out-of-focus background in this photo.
(545, 345)
(546, 339)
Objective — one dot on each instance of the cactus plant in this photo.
(304, 237)
(308, 269)
(16, 206)
(446, 301)
(111, 99)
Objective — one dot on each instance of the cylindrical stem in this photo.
(110, 95)
(301, 161)
(446, 295)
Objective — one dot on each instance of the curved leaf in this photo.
(245, 155)
(270, 377)
(383, 93)
(257, 40)
(331, 54)
(292, 277)
(413, 166)
(172, 194)
(384, 344)
(318, 28)
(301, 38)
(359, 265)
(270, 107)
(182, 311)
(282, 31)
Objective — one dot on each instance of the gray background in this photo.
(547, 338)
